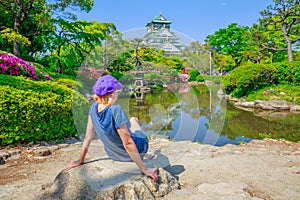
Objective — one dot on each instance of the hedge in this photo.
(39, 111)
(244, 79)
(289, 72)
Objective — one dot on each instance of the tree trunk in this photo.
(16, 47)
(288, 42)
(59, 67)
(258, 54)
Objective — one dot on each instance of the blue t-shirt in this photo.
(106, 124)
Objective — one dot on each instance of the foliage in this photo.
(174, 62)
(198, 56)
(73, 42)
(70, 83)
(122, 63)
(253, 80)
(31, 22)
(113, 49)
(286, 92)
(216, 79)
(152, 76)
(35, 111)
(289, 72)
(244, 79)
(148, 57)
(200, 78)
(127, 79)
(230, 41)
(224, 62)
(88, 76)
(11, 36)
(26, 23)
(283, 17)
(193, 74)
(117, 75)
(14, 66)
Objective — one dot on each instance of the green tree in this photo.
(122, 63)
(23, 21)
(198, 55)
(230, 41)
(283, 17)
(110, 50)
(73, 42)
(28, 22)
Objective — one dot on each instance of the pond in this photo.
(201, 115)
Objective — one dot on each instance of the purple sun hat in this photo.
(106, 84)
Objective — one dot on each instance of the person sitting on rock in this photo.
(123, 139)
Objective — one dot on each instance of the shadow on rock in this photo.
(162, 161)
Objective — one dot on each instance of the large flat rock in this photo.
(108, 179)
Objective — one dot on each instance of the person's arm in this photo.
(131, 149)
(89, 136)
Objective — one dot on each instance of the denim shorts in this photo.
(141, 141)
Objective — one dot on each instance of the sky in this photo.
(195, 19)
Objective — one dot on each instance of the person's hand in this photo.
(73, 164)
(152, 173)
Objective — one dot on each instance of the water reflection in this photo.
(201, 114)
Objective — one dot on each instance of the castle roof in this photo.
(161, 33)
(159, 19)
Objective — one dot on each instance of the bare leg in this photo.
(135, 124)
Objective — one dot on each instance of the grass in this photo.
(290, 93)
(212, 78)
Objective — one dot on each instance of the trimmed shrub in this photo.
(200, 78)
(193, 74)
(35, 111)
(244, 79)
(70, 83)
(289, 72)
(127, 79)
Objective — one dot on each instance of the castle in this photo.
(160, 36)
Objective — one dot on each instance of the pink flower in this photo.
(16, 66)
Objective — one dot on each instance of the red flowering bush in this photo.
(14, 66)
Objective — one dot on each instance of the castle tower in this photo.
(160, 36)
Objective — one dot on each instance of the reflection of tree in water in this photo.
(197, 106)
(139, 109)
(239, 122)
(158, 110)
(154, 110)
(203, 102)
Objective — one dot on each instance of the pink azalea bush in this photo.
(184, 77)
(89, 75)
(14, 66)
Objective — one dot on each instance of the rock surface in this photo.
(261, 169)
(92, 182)
(273, 105)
